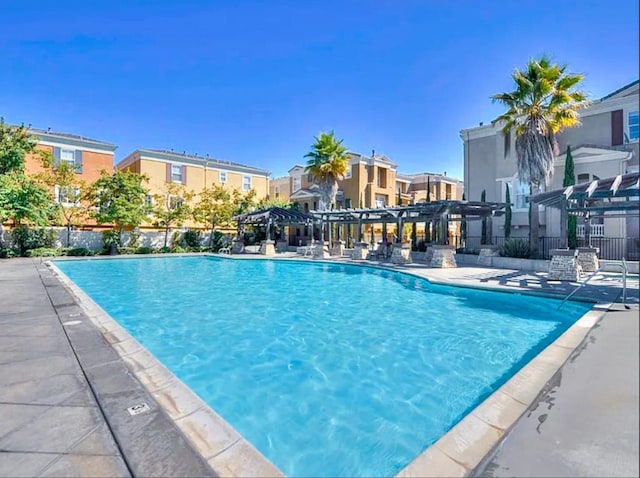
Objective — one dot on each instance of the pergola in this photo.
(616, 196)
(276, 216)
(428, 212)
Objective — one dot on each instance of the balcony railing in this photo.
(597, 230)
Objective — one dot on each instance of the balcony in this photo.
(597, 230)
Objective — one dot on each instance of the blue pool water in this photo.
(327, 369)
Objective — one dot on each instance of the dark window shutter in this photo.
(168, 172)
(56, 156)
(617, 128)
(78, 161)
(184, 175)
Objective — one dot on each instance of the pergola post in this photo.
(564, 219)
(360, 228)
(587, 229)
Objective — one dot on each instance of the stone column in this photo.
(337, 248)
(238, 246)
(428, 255)
(282, 245)
(564, 265)
(267, 248)
(401, 254)
(444, 256)
(588, 258)
(360, 251)
(487, 253)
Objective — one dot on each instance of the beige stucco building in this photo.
(604, 145)
(193, 172)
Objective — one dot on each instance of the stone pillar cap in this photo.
(443, 246)
(588, 249)
(563, 252)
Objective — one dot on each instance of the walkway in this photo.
(64, 392)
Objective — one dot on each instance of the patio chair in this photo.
(224, 250)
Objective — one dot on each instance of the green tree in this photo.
(70, 194)
(277, 202)
(569, 180)
(483, 234)
(24, 200)
(428, 189)
(171, 208)
(545, 101)
(328, 162)
(15, 144)
(213, 208)
(120, 199)
(507, 215)
(463, 228)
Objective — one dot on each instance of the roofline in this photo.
(62, 138)
(619, 90)
(193, 160)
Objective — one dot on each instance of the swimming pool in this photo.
(327, 369)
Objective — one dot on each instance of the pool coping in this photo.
(458, 453)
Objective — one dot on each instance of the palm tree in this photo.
(328, 162)
(544, 102)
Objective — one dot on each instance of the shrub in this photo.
(191, 238)
(79, 251)
(516, 248)
(43, 251)
(177, 249)
(164, 250)
(7, 252)
(110, 239)
(26, 238)
(144, 250)
(127, 250)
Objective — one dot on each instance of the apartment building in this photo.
(604, 145)
(194, 172)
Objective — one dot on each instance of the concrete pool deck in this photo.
(27, 285)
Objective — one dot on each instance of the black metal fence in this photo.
(610, 248)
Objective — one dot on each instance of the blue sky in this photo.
(255, 81)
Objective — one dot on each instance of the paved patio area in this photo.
(64, 392)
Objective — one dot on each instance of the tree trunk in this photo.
(2, 241)
(166, 234)
(120, 230)
(211, 232)
(68, 235)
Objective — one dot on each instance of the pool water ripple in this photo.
(327, 369)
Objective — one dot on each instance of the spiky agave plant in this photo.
(545, 101)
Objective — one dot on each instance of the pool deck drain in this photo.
(464, 450)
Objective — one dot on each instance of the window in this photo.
(277, 191)
(148, 200)
(223, 176)
(68, 156)
(174, 202)
(296, 184)
(519, 196)
(67, 196)
(381, 201)
(507, 144)
(634, 132)
(347, 203)
(176, 173)
(246, 183)
(347, 173)
(309, 178)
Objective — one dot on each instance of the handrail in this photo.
(624, 269)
